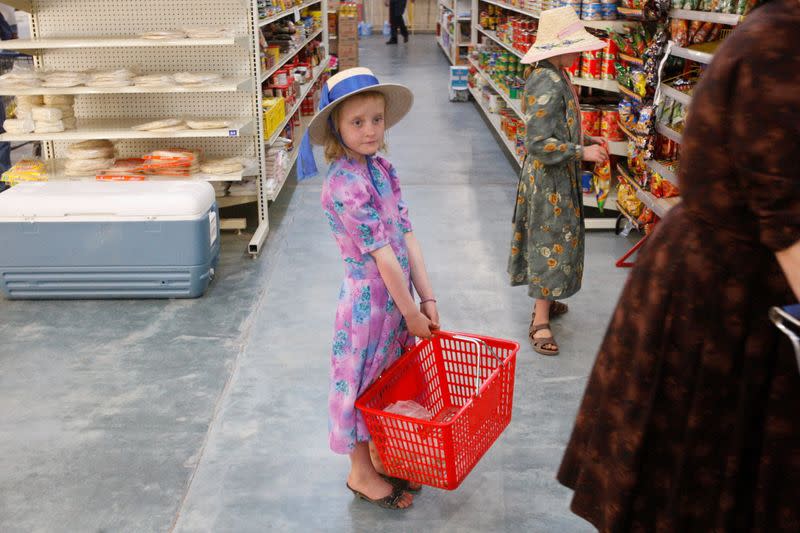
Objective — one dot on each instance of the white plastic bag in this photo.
(410, 409)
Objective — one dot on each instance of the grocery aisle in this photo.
(267, 464)
(210, 414)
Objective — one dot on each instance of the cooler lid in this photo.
(112, 199)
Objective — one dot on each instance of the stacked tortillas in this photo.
(87, 157)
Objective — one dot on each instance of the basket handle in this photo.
(788, 321)
(478, 344)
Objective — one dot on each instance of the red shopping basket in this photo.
(467, 381)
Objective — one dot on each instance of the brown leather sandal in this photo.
(540, 343)
(556, 310)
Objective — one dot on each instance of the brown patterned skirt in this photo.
(691, 416)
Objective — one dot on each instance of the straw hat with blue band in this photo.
(399, 100)
(561, 32)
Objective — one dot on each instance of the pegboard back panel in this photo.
(170, 105)
(74, 18)
(229, 61)
(212, 148)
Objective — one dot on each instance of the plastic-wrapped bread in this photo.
(94, 149)
(57, 100)
(197, 78)
(19, 126)
(154, 81)
(164, 35)
(47, 114)
(49, 126)
(30, 100)
(206, 33)
(159, 124)
(207, 124)
(63, 79)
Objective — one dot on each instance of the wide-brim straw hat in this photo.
(561, 32)
(399, 99)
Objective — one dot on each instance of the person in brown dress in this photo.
(690, 421)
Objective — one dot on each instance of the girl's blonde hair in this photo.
(334, 149)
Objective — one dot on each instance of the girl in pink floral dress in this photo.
(377, 318)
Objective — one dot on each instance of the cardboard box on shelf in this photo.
(347, 27)
(333, 45)
(348, 50)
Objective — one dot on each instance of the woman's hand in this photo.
(429, 310)
(595, 153)
(602, 141)
(419, 325)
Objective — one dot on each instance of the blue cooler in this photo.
(86, 239)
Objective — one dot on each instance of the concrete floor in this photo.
(210, 414)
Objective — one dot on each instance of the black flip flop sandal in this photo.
(391, 501)
(402, 484)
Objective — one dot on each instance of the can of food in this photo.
(611, 50)
(609, 125)
(609, 69)
(575, 69)
(586, 181)
(280, 77)
(609, 11)
(591, 120)
(592, 11)
(591, 69)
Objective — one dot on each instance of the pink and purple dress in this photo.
(366, 212)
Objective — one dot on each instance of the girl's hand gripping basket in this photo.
(467, 382)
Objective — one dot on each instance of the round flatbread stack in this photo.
(94, 149)
(231, 165)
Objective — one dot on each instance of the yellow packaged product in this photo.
(25, 170)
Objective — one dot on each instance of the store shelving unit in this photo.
(706, 16)
(615, 148)
(692, 54)
(669, 133)
(74, 35)
(452, 47)
(226, 85)
(493, 36)
(660, 206)
(285, 58)
(663, 171)
(671, 92)
(513, 103)
(494, 120)
(122, 128)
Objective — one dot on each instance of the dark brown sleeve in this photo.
(766, 132)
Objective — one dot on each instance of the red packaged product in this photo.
(611, 50)
(591, 119)
(591, 69)
(609, 126)
(575, 69)
(609, 69)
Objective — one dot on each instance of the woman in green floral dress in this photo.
(547, 247)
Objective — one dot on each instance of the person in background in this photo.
(396, 10)
(6, 33)
(689, 422)
(547, 246)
